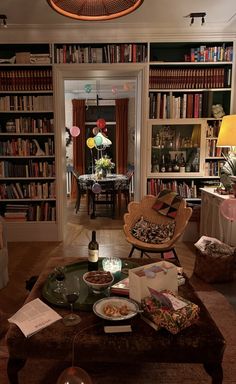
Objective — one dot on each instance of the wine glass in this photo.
(71, 291)
(59, 273)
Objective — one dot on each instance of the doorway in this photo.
(137, 74)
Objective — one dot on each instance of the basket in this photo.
(214, 268)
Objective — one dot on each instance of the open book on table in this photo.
(33, 317)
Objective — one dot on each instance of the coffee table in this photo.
(201, 343)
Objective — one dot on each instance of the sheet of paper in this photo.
(33, 317)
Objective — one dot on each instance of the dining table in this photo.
(104, 191)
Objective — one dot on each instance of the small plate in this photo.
(117, 302)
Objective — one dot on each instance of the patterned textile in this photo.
(163, 316)
(153, 233)
(167, 203)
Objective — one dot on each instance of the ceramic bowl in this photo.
(98, 281)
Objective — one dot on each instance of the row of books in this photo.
(25, 147)
(189, 78)
(26, 80)
(213, 129)
(186, 105)
(213, 168)
(30, 190)
(110, 53)
(30, 169)
(155, 186)
(28, 124)
(211, 54)
(213, 151)
(45, 211)
(26, 103)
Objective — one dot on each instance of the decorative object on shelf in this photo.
(218, 111)
(104, 165)
(94, 10)
(39, 151)
(227, 138)
(3, 19)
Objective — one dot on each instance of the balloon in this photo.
(90, 142)
(74, 131)
(88, 88)
(95, 131)
(74, 375)
(228, 209)
(98, 140)
(126, 87)
(114, 90)
(96, 188)
(101, 123)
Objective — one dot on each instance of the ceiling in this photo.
(164, 16)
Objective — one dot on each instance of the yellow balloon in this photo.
(90, 142)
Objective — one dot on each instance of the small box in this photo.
(23, 58)
(160, 275)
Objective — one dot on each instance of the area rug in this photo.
(46, 372)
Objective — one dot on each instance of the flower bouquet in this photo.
(104, 165)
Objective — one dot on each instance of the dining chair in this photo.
(103, 193)
(81, 189)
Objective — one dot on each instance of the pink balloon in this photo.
(228, 209)
(74, 131)
(74, 375)
(101, 123)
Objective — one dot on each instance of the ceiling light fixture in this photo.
(94, 10)
(3, 19)
(201, 15)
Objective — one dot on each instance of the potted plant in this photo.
(228, 171)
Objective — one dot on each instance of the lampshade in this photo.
(227, 134)
(94, 10)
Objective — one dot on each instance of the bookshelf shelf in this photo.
(27, 140)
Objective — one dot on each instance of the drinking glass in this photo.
(59, 273)
(71, 291)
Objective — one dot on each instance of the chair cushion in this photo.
(167, 203)
(153, 233)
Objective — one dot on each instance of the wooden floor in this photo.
(28, 258)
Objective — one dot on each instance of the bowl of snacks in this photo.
(98, 281)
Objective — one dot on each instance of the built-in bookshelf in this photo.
(27, 142)
(100, 53)
(186, 80)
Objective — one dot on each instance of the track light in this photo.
(3, 19)
(197, 15)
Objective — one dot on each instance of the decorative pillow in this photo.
(153, 233)
(167, 203)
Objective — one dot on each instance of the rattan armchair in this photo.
(144, 209)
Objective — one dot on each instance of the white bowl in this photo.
(98, 281)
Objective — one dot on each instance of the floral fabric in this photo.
(153, 233)
(164, 317)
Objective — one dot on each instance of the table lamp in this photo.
(227, 134)
(227, 138)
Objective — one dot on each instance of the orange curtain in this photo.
(121, 135)
(79, 142)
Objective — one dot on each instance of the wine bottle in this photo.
(93, 249)
(163, 164)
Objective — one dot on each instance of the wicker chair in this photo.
(144, 208)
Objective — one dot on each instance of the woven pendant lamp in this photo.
(94, 10)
